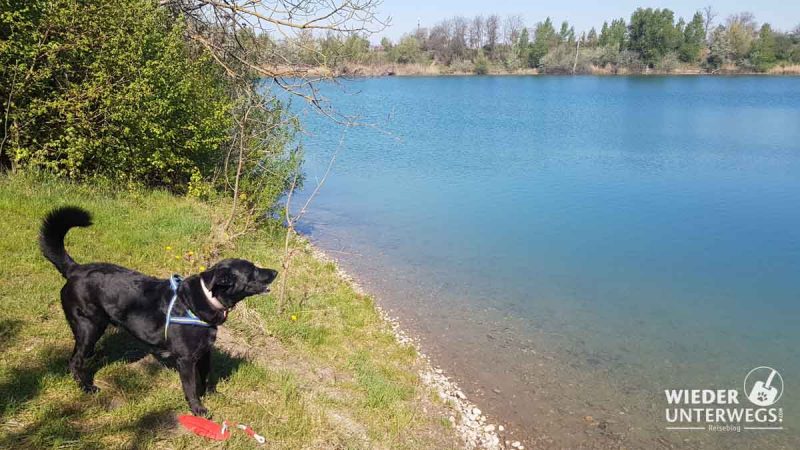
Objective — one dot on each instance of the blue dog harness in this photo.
(190, 318)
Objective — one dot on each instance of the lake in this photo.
(567, 248)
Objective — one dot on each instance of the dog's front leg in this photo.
(187, 367)
(203, 370)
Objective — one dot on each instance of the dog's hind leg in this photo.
(87, 329)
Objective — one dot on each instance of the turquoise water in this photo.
(623, 234)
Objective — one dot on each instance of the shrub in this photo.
(406, 51)
(558, 60)
(605, 55)
(461, 66)
(110, 90)
(481, 64)
(629, 60)
(561, 60)
(668, 63)
(512, 62)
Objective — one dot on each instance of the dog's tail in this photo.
(54, 228)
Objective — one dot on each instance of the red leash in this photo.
(259, 438)
(212, 430)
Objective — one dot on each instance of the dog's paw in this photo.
(201, 411)
(90, 389)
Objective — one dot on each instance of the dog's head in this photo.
(231, 280)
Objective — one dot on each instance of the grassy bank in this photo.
(325, 374)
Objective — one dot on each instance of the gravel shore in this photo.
(476, 431)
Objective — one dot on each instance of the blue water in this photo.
(642, 230)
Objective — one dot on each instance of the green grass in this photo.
(332, 377)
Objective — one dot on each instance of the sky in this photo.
(583, 14)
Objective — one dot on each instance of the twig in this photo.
(5, 121)
(291, 221)
(242, 129)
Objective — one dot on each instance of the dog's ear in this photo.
(218, 278)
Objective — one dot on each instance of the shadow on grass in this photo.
(24, 382)
(62, 420)
(118, 345)
(9, 328)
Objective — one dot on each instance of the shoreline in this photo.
(474, 428)
(433, 70)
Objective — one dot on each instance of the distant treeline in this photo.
(652, 39)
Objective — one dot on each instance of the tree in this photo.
(741, 30)
(386, 44)
(523, 47)
(476, 33)
(438, 42)
(708, 19)
(355, 48)
(330, 51)
(615, 35)
(680, 25)
(512, 27)
(604, 36)
(220, 28)
(720, 50)
(693, 37)
(406, 51)
(492, 34)
(545, 38)
(567, 33)
(458, 37)
(421, 35)
(762, 55)
(652, 34)
(787, 46)
(591, 38)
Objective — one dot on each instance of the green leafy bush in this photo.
(109, 90)
(270, 158)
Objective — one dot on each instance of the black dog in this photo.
(99, 293)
